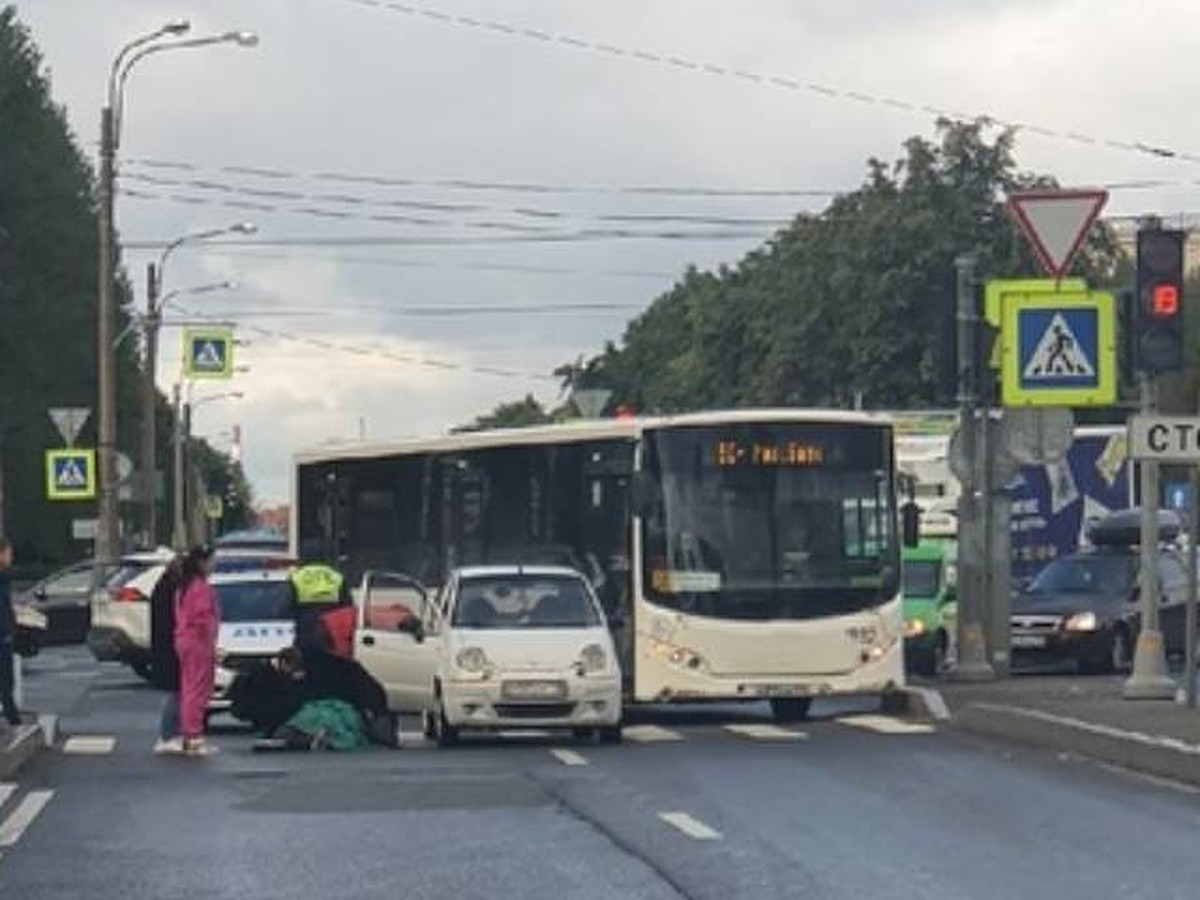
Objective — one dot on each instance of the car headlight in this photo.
(1084, 621)
(914, 628)
(471, 659)
(593, 660)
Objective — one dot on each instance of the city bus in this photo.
(746, 555)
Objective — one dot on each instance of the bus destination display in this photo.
(785, 454)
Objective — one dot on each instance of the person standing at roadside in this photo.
(197, 623)
(164, 663)
(8, 636)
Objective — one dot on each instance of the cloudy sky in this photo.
(454, 196)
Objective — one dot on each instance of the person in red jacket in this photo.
(197, 623)
(337, 629)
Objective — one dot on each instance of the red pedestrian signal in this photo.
(1164, 301)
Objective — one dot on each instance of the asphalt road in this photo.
(697, 803)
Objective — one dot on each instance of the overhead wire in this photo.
(680, 62)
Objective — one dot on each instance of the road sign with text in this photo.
(1167, 439)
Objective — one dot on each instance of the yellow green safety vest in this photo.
(317, 585)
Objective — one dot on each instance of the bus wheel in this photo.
(792, 709)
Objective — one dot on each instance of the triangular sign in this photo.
(71, 476)
(1056, 223)
(591, 401)
(209, 355)
(70, 421)
(1058, 354)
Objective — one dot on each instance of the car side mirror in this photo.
(40, 593)
(412, 626)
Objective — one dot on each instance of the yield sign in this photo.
(1056, 222)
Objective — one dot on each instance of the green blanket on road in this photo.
(336, 723)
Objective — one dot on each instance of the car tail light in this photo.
(128, 595)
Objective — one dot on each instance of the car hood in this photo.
(532, 650)
(1061, 604)
(256, 638)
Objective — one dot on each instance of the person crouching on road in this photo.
(197, 623)
(8, 638)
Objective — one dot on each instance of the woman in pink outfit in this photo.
(197, 621)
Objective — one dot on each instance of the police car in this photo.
(256, 623)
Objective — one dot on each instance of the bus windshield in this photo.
(769, 520)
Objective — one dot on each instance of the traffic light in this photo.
(1158, 302)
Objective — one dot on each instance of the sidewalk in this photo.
(1083, 715)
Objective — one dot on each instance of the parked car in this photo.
(256, 623)
(498, 647)
(65, 599)
(930, 605)
(120, 630)
(1083, 609)
(31, 631)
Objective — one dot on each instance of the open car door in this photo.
(391, 643)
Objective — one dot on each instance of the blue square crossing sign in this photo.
(208, 353)
(70, 474)
(1059, 349)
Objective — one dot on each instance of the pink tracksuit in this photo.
(197, 621)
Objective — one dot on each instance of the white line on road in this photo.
(650, 734)
(886, 725)
(767, 732)
(6, 790)
(933, 700)
(22, 817)
(569, 757)
(1155, 780)
(90, 745)
(690, 826)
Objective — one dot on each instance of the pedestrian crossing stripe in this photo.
(1058, 354)
(208, 353)
(70, 474)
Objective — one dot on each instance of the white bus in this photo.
(739, 555)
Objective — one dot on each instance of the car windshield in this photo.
(770, 520)
(1086, 575)
(524, 601)
(922, 578)
(255, 601)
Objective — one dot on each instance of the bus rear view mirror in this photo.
(910, 517)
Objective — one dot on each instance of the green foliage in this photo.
(857, 299)
(518, 414)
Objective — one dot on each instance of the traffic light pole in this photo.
(1150, 679)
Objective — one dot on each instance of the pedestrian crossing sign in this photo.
(208, 353)
(70, 474)
(1059, 349)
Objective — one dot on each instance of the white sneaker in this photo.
(171, 747)
(199, 748)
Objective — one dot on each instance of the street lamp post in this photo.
(151, 324)
(182, 441)
(108, 533)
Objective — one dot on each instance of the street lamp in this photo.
(160, 40)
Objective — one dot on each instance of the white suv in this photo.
(498, 647)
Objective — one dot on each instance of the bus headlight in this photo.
(678, 656)
(472, 659)
(1084, 621)
(593, 660)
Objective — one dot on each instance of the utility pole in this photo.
(108, 531)
(1190, 627)
(149, 464)
(179, 530)
(972, 664)
(1150, 679)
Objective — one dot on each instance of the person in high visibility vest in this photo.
(317, 588)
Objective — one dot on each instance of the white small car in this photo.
(256, 623)
(499, 647)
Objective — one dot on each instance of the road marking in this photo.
(650, 734)
(1094, 728)
(690, 826)
(934, 703)
(569, 757)
(89, 745)
(6, 790)
(767, 732)
(1156, 780)
(23, 816)
(886, 725)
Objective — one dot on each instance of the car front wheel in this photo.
(444, 733)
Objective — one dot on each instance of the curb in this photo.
(30, 740)
(1164, 757)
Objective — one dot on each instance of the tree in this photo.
(519, 414)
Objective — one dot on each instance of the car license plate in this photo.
(534, 690)
(1029, 641)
